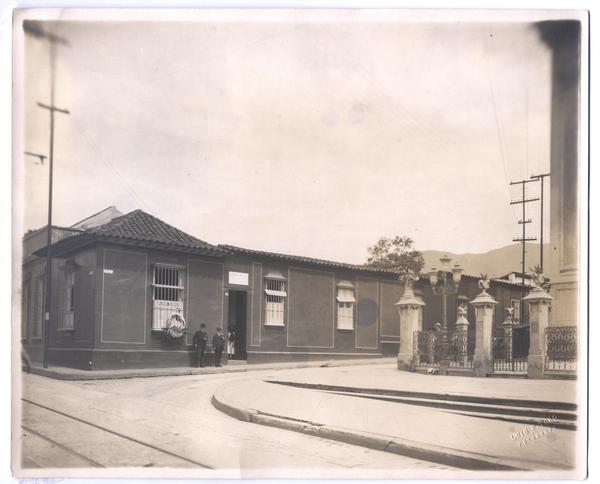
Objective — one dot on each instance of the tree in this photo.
(397, 254)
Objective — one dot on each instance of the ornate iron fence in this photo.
(511, 349)
(461, 349)
(426, 349)
(561, 349)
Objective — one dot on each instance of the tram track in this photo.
(73, 452)
(106, 430)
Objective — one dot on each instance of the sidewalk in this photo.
(388, 377)
(64, 373)
(475, 442)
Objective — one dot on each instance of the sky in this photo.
(311, 134)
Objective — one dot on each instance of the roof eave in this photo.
(67, 245)
(71, 244)
(162, 246)
(308, 260)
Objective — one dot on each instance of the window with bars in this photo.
(345, 308)
(167, 294)
(69, 299)
(274, 301)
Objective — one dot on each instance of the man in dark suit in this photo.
(218, 342)
(200, 340)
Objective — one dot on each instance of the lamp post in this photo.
(443, 285)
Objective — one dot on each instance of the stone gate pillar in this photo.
(410, 309)
(539, 307)
(484, 320)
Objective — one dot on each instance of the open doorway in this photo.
(237, 323)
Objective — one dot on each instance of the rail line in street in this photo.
(109, 431)
(73, 452)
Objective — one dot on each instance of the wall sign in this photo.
(238, 278)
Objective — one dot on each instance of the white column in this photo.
(539, 306)
(484, 320)
(410, 308)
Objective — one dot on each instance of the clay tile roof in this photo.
(141, 226)
(143, 229)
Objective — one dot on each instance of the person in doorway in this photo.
(200, 340)
(231, 343)
(218, 342)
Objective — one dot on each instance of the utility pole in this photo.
(48, 301)
(523, 239)
(541, 179)
(34, 28)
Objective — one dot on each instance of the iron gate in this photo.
(461, 349)
(426, 349)
(510, 349)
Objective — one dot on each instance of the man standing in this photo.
(230, 343)
(218, 342)
(200, 339)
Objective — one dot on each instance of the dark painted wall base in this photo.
(300, 358)
(72, 358)
(115, 359)
(390, 349)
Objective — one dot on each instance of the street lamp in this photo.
(443, 285)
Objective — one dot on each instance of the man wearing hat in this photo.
(200, 340)
(218, 342)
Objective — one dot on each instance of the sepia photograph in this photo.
(299, 243)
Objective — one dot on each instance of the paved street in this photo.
(170, 422)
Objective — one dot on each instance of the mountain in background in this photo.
(494, 263)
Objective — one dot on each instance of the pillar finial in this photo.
(484, 283)
(409, 277)
(484, 298)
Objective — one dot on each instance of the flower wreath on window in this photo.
(176, 328)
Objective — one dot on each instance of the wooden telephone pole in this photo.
(48, 301)
(34, 28)
(523, 201)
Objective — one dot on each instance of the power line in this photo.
(499, 132)
(118, 175)
(541, 179)
(526, 127)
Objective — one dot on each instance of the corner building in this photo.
(117, 279)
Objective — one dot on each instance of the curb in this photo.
(91, 375)
(560, 415)
(408, 448)
(441, 396)
(73, 374)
